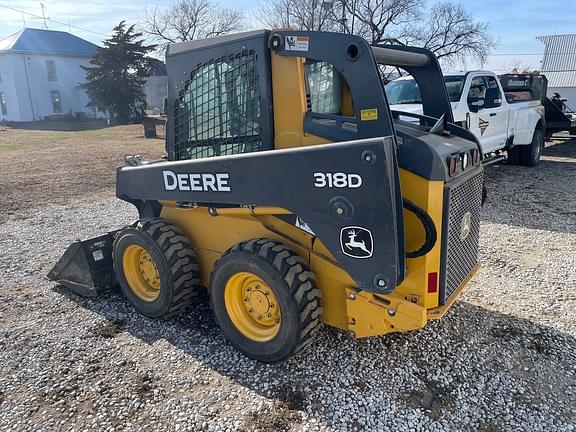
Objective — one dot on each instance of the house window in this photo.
(51, 67)
(3, 107)
(56, 102)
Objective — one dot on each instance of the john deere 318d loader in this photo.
(293, 194)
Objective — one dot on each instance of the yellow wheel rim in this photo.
(141, 273)
(252, 307)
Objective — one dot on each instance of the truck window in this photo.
(406, 91)
(477, 91)
(454, 86)
(492, 83)
(403, 91)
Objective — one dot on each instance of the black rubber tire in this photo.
(175, 259)
(294, 286)
(513, 156)
(530, 154)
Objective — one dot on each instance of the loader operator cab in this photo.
(295, 196)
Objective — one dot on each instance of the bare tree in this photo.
(189, 20)
(310, 15)
(517, 65)
(446, 29)
(452, 34)
(381, 21)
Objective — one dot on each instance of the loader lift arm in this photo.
(290, 185)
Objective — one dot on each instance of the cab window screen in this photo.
(218, 112)
(324, 87)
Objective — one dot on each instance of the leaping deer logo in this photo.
(354, 247)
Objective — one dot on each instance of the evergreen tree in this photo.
(115, 81)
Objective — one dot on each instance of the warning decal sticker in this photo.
(297, 43)
(369, 114)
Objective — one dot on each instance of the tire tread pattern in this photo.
(301, 282)
(179, 253)
(526, 157)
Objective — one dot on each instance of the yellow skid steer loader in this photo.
(294, 195)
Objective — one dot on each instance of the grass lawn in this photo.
(41, 167)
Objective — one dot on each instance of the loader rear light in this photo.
(475, 157)
(465, 161)
(452, 165)
(432, 282)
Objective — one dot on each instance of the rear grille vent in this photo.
(463, 198)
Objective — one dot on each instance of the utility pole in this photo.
(44, 17)
(343, 19)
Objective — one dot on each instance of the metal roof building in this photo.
(39, 41)
(559, 65)
(41, 73)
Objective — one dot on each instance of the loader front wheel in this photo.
(265, 300)
(156, 267)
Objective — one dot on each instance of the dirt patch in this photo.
(489, 426)
(535, 341)
(293, 398)
(109, 330)
(283, 413)
(144, 385)
(40, 168)
(434, 399)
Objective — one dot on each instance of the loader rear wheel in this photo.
(156, 267)
(265, 300)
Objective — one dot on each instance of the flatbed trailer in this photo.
(526, 87)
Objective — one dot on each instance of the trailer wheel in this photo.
(530, 154)
(156, 267)
(265, 300)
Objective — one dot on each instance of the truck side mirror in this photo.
(474, 108)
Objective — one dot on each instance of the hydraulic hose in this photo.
(429, 229)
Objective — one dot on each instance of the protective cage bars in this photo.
(218, 111)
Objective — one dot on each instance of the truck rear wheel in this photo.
(530, 154)
(265, 300)
(513, 156)
(156, 267)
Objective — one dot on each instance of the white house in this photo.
(40, 75)
(559, 65)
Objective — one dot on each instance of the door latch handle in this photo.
(492, 114)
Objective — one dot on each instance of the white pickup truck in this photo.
(501, 123)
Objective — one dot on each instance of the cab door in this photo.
(488, 122)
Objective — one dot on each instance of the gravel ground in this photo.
(503, 359)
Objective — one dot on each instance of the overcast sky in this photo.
(515, 23)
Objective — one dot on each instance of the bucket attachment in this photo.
(86, 266)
